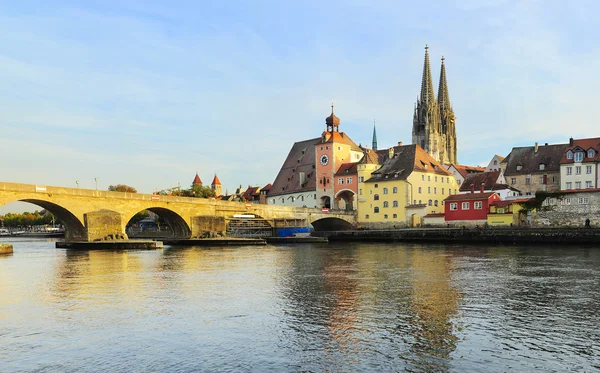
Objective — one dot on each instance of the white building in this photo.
(579, 166)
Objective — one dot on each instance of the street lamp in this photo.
(96, 180)
(77, 182)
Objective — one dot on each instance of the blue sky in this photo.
(147, 93)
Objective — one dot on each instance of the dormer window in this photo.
(591, 153)
(519, 167)
(578, 157)
(569, 155)
(542, 166)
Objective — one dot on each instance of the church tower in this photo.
(216, 186)
(374, 143)
(447, 118)
(433, 120)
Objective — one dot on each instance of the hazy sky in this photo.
(146, 93)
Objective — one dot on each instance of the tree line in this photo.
(12, 220)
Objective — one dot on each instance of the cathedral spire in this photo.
(443, 96)
(374, 137)
(427, 82)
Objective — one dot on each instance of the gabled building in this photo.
(461, 172)
(580, 164)
(495, 164)
(493, 181)
(433, 121)
(346, 186)
(534, 168)
(405, 185)
(296, 180)
(470, 208)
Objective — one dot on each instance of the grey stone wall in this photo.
(569, 210)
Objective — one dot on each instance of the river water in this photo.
(343, 307)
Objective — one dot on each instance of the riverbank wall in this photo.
(545, 236)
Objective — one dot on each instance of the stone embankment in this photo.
(6, 248)
(546, 236)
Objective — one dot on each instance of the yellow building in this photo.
(398, 186)
(506, 213)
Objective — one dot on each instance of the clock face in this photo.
(324, 159)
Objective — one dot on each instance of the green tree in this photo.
(139, 216)
(199, 191)
(121, 188)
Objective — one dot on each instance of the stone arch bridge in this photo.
(90, 215)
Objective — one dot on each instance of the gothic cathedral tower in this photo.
(433, 121)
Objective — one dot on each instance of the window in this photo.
(348, 180)
(385, 190)
(370, 192)
(422, 177)
(429, 203)
(519, 167)
(395, 204)
(477, 205)
(420, 202)
(428, 177)
(385, 216)
(315, 196)
(429, 190)
(341, 181)
(434, 190)
(495, 162)
(395, 190)
(386, 204)
(569, 170)
(376, 197)
(513, 180)
(367, 216)
(395, 216)
(542, 180)
(554, 179)
(376, 185)
(578, 157)
(578, 170)
(588, 169)
(327, 148)
(376, 210)
(527, 181)
(419, 190)
(360, 192)
(435, 179)
(588, 184)
(542, 166)
(447, 179)
(435, 203)
(569, 155)
(361, 179)
(442, 179)
(591, 153)
(569, 185)
(583, 200)
(578, 185)
(453, 206)
(465, 205)
(442, 191)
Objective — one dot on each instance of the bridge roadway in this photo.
(91, 215)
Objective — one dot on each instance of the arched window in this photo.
(435, 203)
(591, 153)
(385, 190)
(419, 190)
(386, 204)
(376, 210)
(376, 185)
(395, 190)
(395, 204)
(376, 197)
(569, 155)
(429, 203)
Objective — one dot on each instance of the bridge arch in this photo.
(331, 224)
(179, 228)
(74, 228)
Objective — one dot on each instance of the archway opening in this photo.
(157, 222)
(331, 224)
(53, 220)
(344, 200)
(326, 202)
(248, 226)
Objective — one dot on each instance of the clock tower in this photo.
(334, 150)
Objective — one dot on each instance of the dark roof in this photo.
(347, 169)
(370, 157)
(530, 160)
(405, 160)
(583, 145)
(470, 196)
(251, 192)
(465, 171)
(488, 179)
(266, 188)
(301, 158)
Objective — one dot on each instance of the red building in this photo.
(471, 207)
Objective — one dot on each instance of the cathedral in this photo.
(433, 122)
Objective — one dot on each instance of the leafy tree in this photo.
(199, 191)
(27, 219)
(139, 216)
(122, 188)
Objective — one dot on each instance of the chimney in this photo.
(482, 188)
(546, 144)
(302, 178)
(571, 141)
(399, 143)
(536, 147)
(472, 188)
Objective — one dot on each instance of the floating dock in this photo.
(111, 245)
(216, 242)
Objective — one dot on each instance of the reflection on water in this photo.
(333, 308)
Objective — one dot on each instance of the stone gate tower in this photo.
(433, 120)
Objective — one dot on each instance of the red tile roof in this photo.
(405, 159)
(465, 171)
(347, 169)
(584, 145)
(341, 137)
(216, 181)
(488, 179)
(197, 180)
(470, 196)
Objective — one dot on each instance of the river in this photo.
(343, 307)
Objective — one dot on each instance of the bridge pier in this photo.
(101, 225)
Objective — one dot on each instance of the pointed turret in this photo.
(427, 95)
(374, 147)
(332, 122)
(443, 96)
(216, 186)
(216, 181)
(197, 180)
